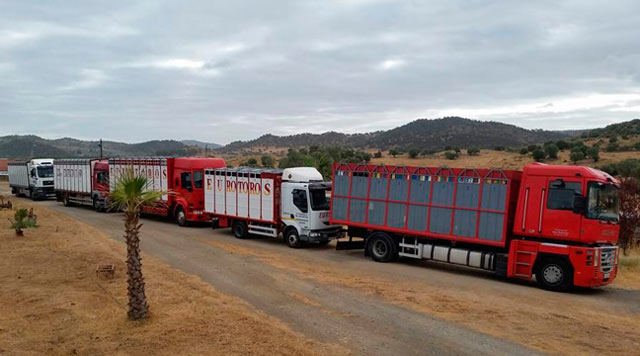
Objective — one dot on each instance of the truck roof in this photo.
(541, 169)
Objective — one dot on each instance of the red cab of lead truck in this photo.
(181, 177)
(557, 223)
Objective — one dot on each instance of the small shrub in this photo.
(451, 155)
(393, 152)
(524, 151)
(539, 155)
(552, 150)
(267, 161)
(377, 154)
(23, 219)
(576, 156)
(499, 148)
(473, 151)
(414, 152)
(594, 153)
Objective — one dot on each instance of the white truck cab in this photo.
(305, 207)
(33, 178)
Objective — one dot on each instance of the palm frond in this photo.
(132, 192)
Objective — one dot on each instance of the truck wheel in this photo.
(554, 274)
(181, 217)
(240, 230)
(382, 248)
(65, 200)
(96, 205)
(292, 238)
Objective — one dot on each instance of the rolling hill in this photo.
(16, 147)
(423, 133)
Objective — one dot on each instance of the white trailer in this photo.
(82, 181)
(32, 178)
(267, 202)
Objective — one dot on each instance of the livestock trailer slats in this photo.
(470, 205)
(243, 193)
(73, 175)
(153, 168)
(18, 174)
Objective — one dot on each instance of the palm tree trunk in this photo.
(138, 308)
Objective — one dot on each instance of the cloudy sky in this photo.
(221, 71)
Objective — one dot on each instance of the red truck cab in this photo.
(566, 218)
(188, 188)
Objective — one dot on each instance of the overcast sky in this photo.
(221, 71)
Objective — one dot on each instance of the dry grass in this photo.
(550, 322)
(629, 270)
(52, 303)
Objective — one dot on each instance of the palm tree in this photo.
(130, 194)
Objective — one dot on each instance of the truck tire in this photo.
(66, 201)
(180, 217)
(292, 238)
(96, 205)
(381, 247)
(239, 229)
(554, 274)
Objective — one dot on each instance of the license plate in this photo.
(606, 275)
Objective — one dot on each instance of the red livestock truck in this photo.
(82, 181)
(181, 177)
(559, 223)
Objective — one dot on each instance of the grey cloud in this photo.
(222, 71)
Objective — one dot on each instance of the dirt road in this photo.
(390, 309)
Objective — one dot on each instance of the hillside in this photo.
(423, 133)
(15, 147)
(196, 143)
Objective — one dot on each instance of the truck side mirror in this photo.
(579, 204)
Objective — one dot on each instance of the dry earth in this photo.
(550, 322)
(53, 303)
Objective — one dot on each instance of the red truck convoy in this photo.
(82, 181)
(269, 202)
(181, 177)
(559, 223)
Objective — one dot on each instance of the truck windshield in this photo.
(319, 199)
(603, 202)
(45, 171)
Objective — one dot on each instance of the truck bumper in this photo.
(43, 192)
(595, 267)
(323, 236)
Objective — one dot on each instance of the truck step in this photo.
(263, 230)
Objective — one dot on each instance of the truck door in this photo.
(559, 221)
(301, 204)
(186, 188)
(535, 192)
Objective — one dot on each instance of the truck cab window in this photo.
(319, 199)
(103, 177)
(300, 200)
(603, 203)
(197, 179)
(185, 180)
(45, 171)
(562, 194)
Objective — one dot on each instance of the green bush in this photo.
(267, 161)
(576, 156)
(377, 154)
(414, 152)
(594, 153)
(23, 219)
(451, 155)
(539, 155)
(473, 151)
(552, 150)
(524, 151)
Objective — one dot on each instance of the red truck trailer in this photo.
(559, 223)
(82, 181)
(181, 177)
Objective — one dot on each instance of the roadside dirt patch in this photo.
(554, 323)
(52, 302)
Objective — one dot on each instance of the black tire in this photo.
(65, 200)
(382, 248)
(180, 217)
(240, 230)
(554, 274)
(292, 239)
(97, 207)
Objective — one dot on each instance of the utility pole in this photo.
(100, 145)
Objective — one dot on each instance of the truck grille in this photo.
(607, 259)
(47, 182)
